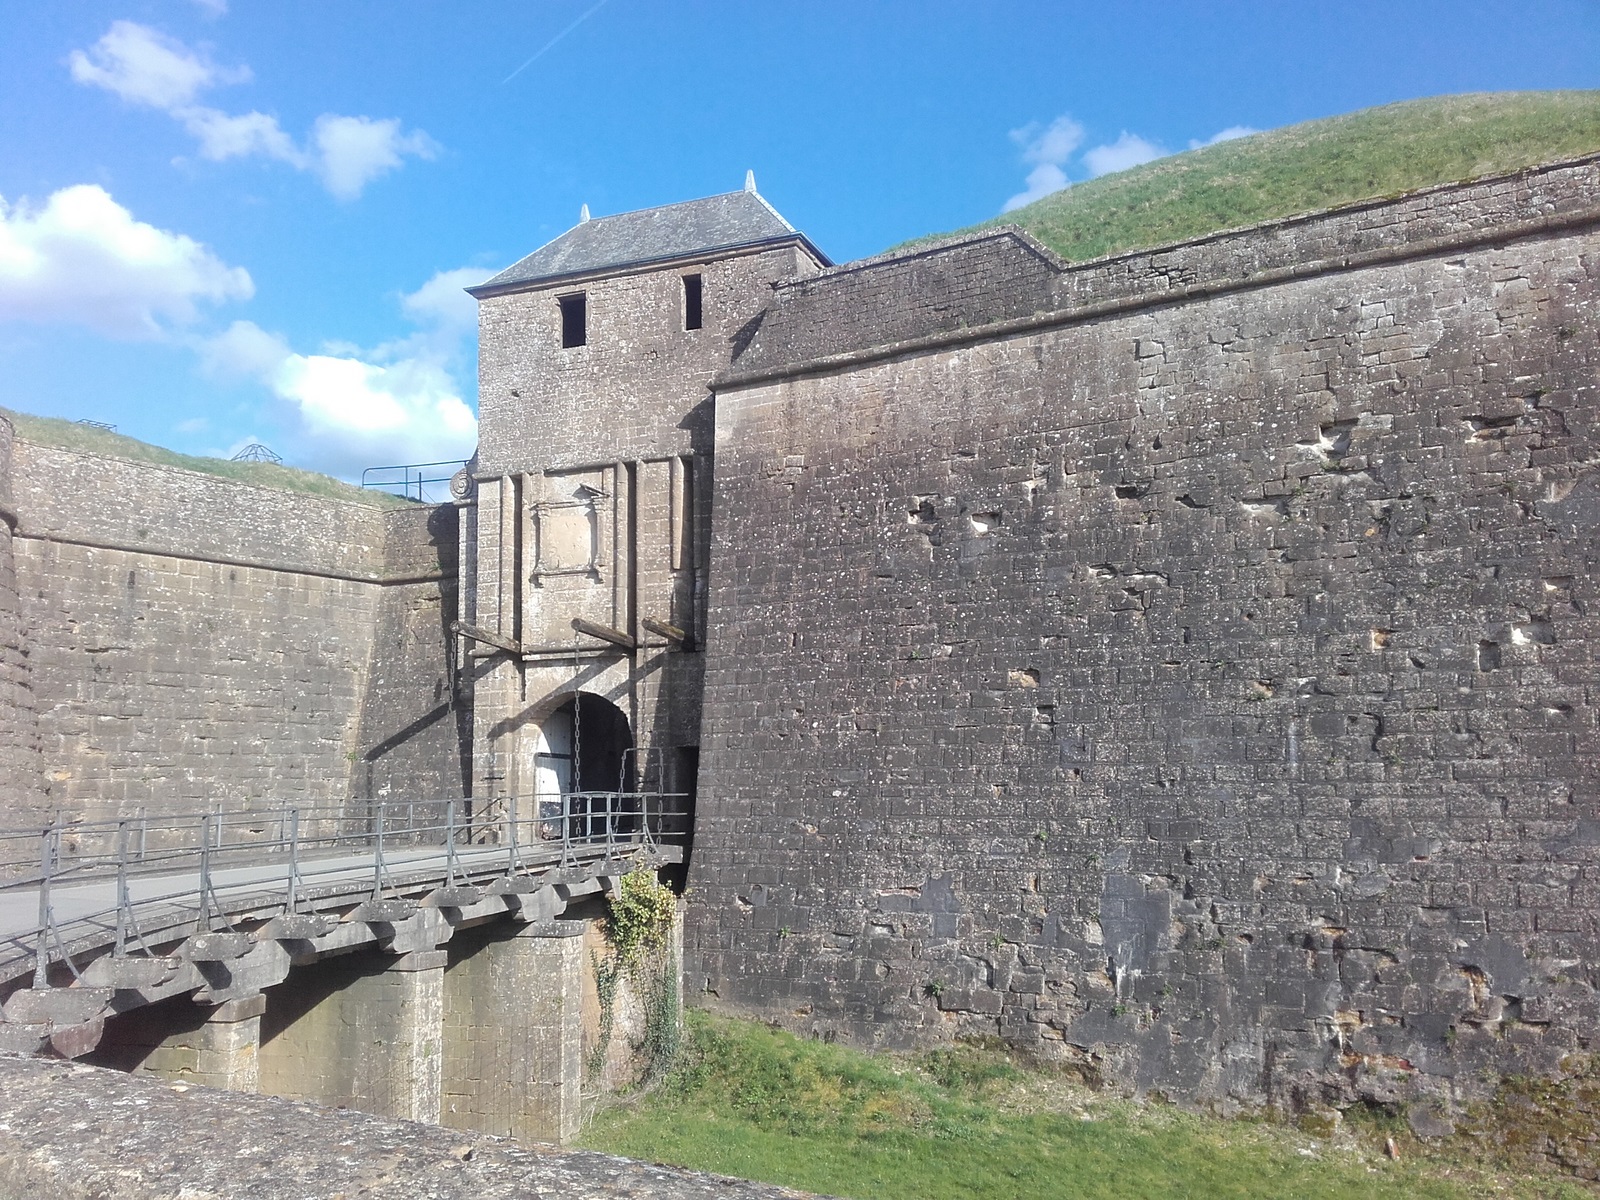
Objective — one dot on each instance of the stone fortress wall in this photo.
(1183, 663)
(194, 641)
(21, 775)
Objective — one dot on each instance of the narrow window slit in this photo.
(692, 291)
(574, 320)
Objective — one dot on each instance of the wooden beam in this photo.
(605, 633)
(484, 636)
(661, 629)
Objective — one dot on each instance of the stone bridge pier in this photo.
(480, 1028)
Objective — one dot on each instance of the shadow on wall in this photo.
(416, 723)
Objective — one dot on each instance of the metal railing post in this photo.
(294, 862)
(511, 812)
(377, 858)
(450, 841)
(123, 907)
(203, 919)
(566, 828)
(49, 850)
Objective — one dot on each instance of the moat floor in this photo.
(970, 1123)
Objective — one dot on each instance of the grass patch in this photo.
(973, 1123)
(1363, 155)
(70, 435)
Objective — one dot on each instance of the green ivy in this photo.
(641, 918)
(606, 975)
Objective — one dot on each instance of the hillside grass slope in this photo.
(1363, 155)
(74, 435)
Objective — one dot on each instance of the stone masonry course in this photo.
(1193, 681)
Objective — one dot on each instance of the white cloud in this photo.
(1048, 150)
(82, 258)
(146, 67)
(349, 408)
(1054, 144)
(223, 137)
(1225, 135)
(1129, 150)
(353, 151)
(443, 300)
(361, 414)
(244, 350)
(1042, 180)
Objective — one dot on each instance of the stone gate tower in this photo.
(587, 505)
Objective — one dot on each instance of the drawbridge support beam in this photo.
(468, 1015)
(605, 633)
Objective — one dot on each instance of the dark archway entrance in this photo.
(586, 746)
(584, 753)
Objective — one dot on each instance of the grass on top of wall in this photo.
(71, 435)
(973, 1123)
(1373, 153)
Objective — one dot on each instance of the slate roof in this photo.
(694, 227)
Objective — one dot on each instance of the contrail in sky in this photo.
(552, 42)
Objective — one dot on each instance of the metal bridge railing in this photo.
(207, 863)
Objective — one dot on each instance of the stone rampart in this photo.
(21, 784)
(1192, 679)
(977, 287)
(198, 640)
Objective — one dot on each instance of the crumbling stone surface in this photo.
(79, 1133)
(1195, 685)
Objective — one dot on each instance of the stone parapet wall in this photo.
(1202, 692)
(97, 500)
(963, 287)
(197, 640)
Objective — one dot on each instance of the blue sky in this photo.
(227, 222)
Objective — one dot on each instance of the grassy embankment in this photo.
(71, 435)
(1319, 164)
(972, 1123)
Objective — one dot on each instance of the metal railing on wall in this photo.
(414, 481)
(97, 880)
